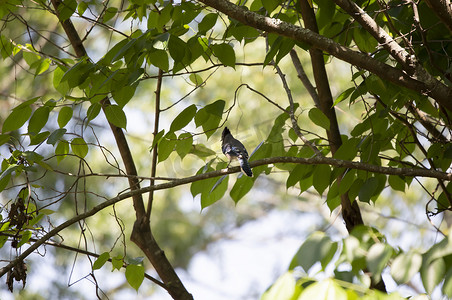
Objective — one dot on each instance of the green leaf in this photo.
(176, 48)
(6, 47)
(285, 287)
(347, 181)
(30, 57)
(405, 266)
(348, 149)
(321, 178)
(117, 262)
(164, 16)
(135, 275)
(42, 66)
(66, 8)
(432, 274)
(447, 286)
(209, 117)
(326, 289)
(116, 116)
(198, 187)
(225, 53)
(32, 157)
(93, 111)
(61, 150)
(284, 49)
(81, 8)
(377, 259)
(3, 240)
(343, 96)
(36, 219)
(201, 151)
(364, 40)
(79, 147)
(299, 173)
(166, 146)
(273, 50)
(5, 177)
(4, 138)
(241, 187)
(207, 23)
(123, 95)
(319, 118)
(368, 189)
(38, 120)
(184, 143)
(16, 119)
(196, 79)
(64, 116)
(78, 73)
(101, 260)
(317, 247)
(397, 183)
(325, 13)
(25, 238)
(38, 138)
(183, 118)
(157, 138)
(213, 190)
(270, 5)
(56, 136)
(61, 87)
(110, 13)
(159, 58)
(112, 55)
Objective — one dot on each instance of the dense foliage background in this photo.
(345, 108)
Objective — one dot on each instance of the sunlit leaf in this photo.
(16, 119)
(183, 118)
(405, 266)
(64, 116)
(319, 118)
(116, 116)
(79, 147)
(135, 275)
(377, 258)
(101, 260)
(38, 119)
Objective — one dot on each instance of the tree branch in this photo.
(350, 209)
(433, 88)
(304, 78)
(85, 252)
(318, 160)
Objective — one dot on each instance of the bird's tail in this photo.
(245, 166)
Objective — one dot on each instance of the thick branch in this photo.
(350, 209)
(433, 88)
(386, 41)
(318, 160)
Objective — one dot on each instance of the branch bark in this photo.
(433, 88)
(411, 172)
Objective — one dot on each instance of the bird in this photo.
(234, 149)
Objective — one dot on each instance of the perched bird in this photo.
(233, 149)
